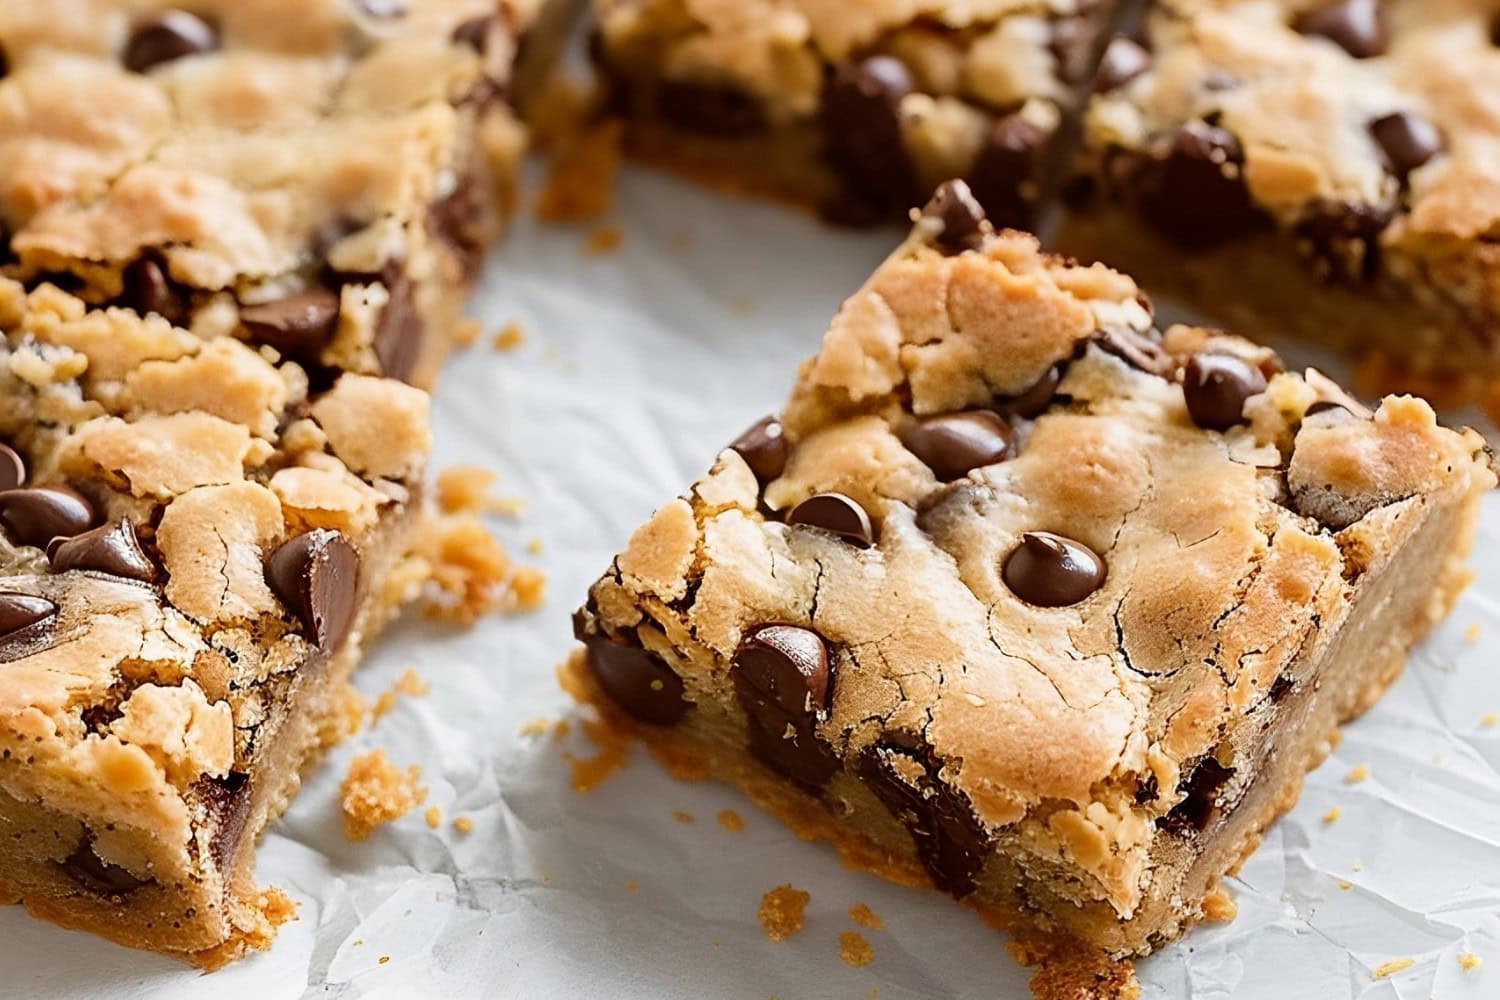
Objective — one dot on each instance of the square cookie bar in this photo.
(858, 108)
(1026, 599)
(1325, 169)
(229, 235)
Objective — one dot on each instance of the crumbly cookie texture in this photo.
(859, 107)
(264, 216)
(1026, 599)
(1338, 155)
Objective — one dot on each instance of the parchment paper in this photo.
(638, 366)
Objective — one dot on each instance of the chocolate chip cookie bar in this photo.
(1325, 169)
(230, 234)
(858, 108)
(1026, 599)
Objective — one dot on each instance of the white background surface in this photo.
(637, 367)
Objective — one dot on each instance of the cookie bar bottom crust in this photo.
(1262, 288)
(214, 919)
(1395, 604)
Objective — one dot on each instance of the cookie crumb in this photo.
(783, 911)
(466, 331)
(509, 337)
(1489, 719)
(613, 753)
(1390, 968)
(1219, 905)
(1468, 961)
(375, 792)
(866, 917)
(684, 817)
(1332, 814)
(469, 573)
(434, 817)
(580, 183)
(384, 702)
(412, 684)
(383, 959)
(603, 240)
(855, 950)
(1357, 774)
(1471, 634)
(534, 546)
(464, 489)
(463, 824)
(1345, 886)
(631, 886)
(731, 821)
(1358, 865)
(1335, 738)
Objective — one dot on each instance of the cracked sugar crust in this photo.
(1079, 734)
(1379, 150)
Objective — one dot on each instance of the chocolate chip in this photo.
(111, 548)
(1407, 140)
(950, 841)
(98, 875)
(316, 575)
(1051, 571)
(20, 613)
(148, 290)
(299, 325)
(764, 449)
(1123, 61)
(399, 334)
(36, 516)
(1146, 789)
(964, 224)
(1192, 187)
(640, 683)
(1495, 30)
(1136, 349)
(1343, 239)
(954, 444)
(4, 63)
(836, 513)
(12, 468)
(461, 219)
(1216, 387)
(168, 36)
(862, 133)
(1201, 797)
(710, 109)
(1337, 412)
(1356, 26)
(1036, 399)
(475, 33)
(1004, 173)
(227, 802)
(782, 677)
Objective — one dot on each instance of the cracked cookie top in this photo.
(1024, 563)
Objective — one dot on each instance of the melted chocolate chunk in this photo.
(1005, 168)
(111, 548)
(1344, 239)
(964, 224)
(949, 839)
(1191, 187)
(1216, 387)
(954, 444)
(38, 515)
(1356, 26)
(1035, 400)
(1052, 571)
(836, 513)
(783, 678)
(227, 800)
(97, 875)
(640, 683)
(4, 63)
(1124, 59)
(399, 335)
(1136, 349)
(1336, 411)
(1407, 141)
(764, 449)
(710, 109)
(149, 290)
(1200, 804)
(12, 468)
(20, 614)
(316, 575)
(170, 35)
(862, 133)
(299, 325)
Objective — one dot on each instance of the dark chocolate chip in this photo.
(1036, 399)
(12, 468)
(1356, 26)
(1136, 349)
(836, 513)
(475, 33)
(1051, 571)
(1407, 140)
(4, 63)
(954, 444)
(1200, 804)
(38, 515)
(168, 36)
(1495, 30)
(399, 335)
(1146, 789)
(111, 548)
(20, 612)
(1216, 387)
(1123, 61)
(782, 677)
(710, 109)
(1004, 172)
(640, 683)
(1281, 687)
(149, 290)
(1192, 187)
(964, 224)
(764, 449)
(862, 133)
(227, 801)
(98, 875)
(1343, 239)
(299, 325)
(1072, 45)
(461, 218)
(1336, 411)
(316, 575)
(950, 841)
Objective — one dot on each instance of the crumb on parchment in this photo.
(612, 753)
(854, 950)
(463, 824)
(783, 911)
(1332, 814)
(1468, 961)
(1357, 774)
(731, 821)
(468, 573)
(1389, 968)
(603, 240)
(684, 818)
(865, 917)
(1471, 633)
(580, 181)
(1219, 906)
(376, 791)
(434, 817)
(466, 331)
(509, 337)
